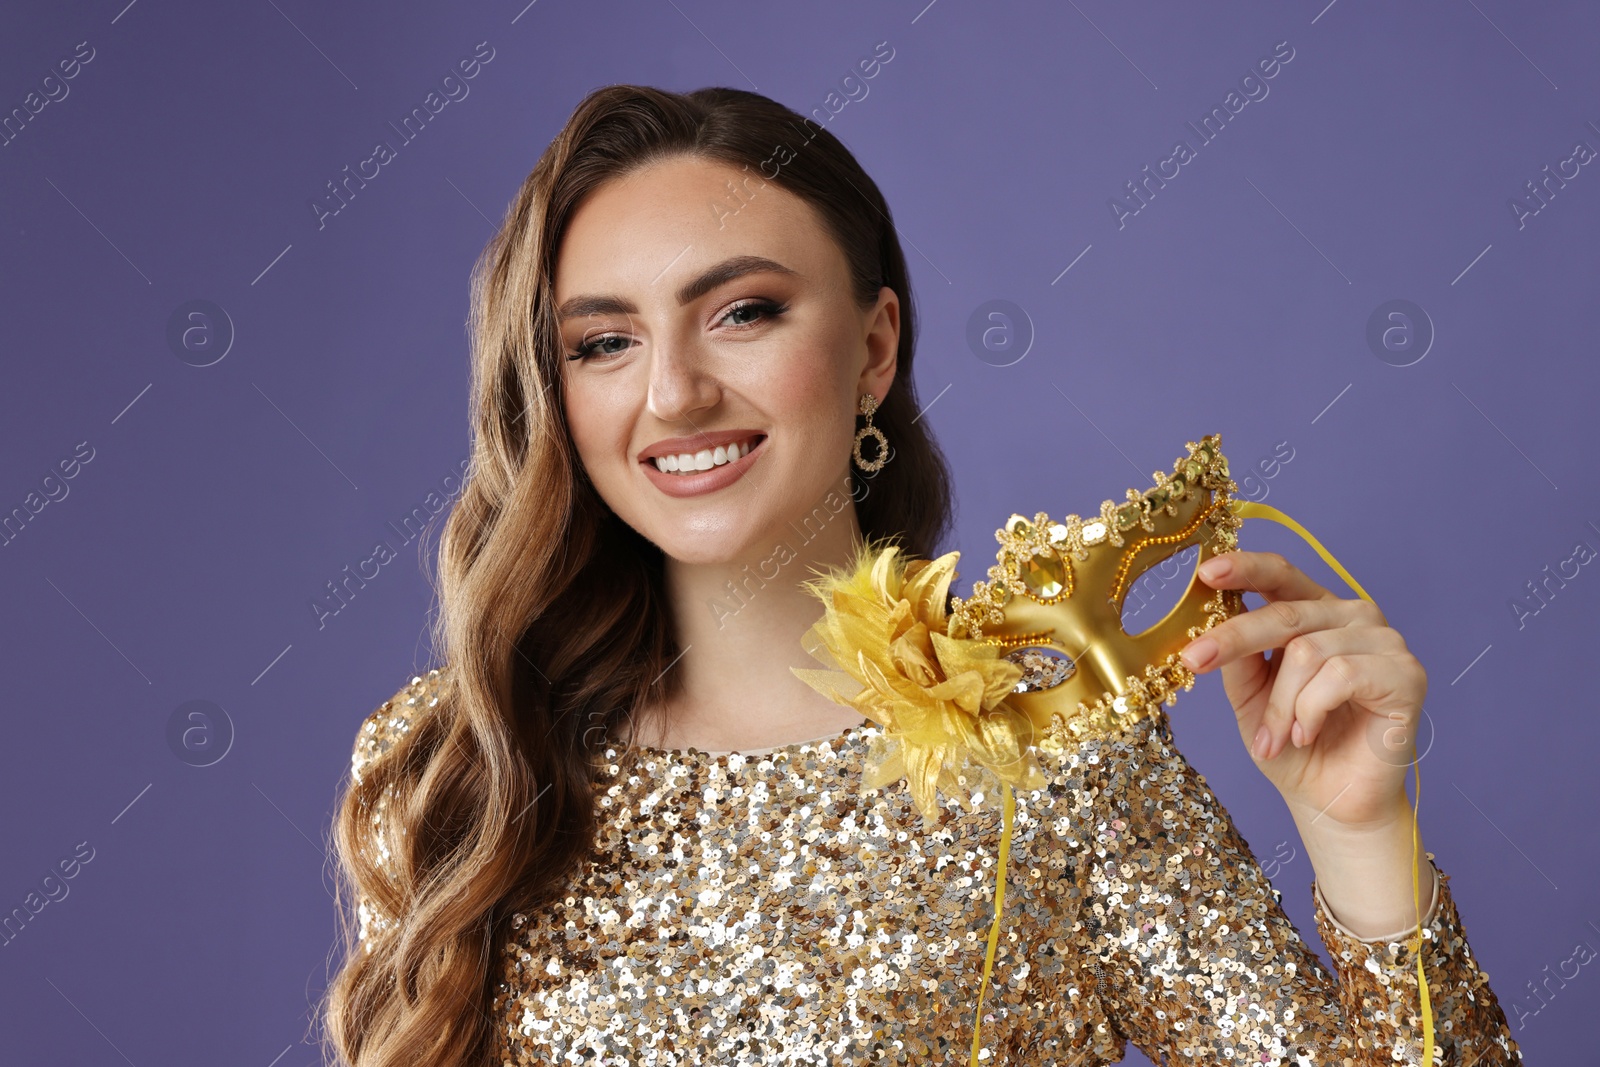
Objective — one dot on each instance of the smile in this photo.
(693, 473)
(707, 458)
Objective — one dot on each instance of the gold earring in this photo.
(869, 404)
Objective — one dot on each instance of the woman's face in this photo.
(702, 324)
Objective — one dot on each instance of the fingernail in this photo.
(1258, 747)
(1297, 734)
(1216, 567)
(1199, 652)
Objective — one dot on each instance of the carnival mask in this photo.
(1054, 600)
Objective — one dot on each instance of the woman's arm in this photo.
(1196, 962)
(380, 732)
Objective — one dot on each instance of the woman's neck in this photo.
(740, 625)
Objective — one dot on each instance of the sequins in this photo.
(381, 731)
(1042, 668)
(765, 909)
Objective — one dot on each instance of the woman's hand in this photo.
(1331, 718)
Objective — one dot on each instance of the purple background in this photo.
(220, 500)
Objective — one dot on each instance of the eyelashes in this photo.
(768, 309)
(586, 349)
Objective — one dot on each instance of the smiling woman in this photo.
(614, 827)
(681, 338)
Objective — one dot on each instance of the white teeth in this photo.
(704, 460)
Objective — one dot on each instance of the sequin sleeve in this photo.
(378, 734)
(1197, 962)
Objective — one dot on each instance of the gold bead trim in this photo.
(1034, 638)
(1204, 468)
(1120, 582)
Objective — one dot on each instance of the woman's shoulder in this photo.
(394, 718)
(1135, 774)
(1109, 759)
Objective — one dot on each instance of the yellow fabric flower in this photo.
(939, 699)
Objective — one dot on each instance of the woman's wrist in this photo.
(1430, 883)
(1365, 875)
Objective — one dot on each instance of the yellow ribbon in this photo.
(1251, 509)
(1008, 809)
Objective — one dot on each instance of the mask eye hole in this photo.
(1042, 668)
(1158, 590)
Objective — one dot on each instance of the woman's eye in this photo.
(760, 308)
(590, 347)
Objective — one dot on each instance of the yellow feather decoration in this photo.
(940, 700)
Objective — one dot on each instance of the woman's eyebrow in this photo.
(729, 269)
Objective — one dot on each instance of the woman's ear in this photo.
(882, 324)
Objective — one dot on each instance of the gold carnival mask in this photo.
(1037, 658)
(1054, 600)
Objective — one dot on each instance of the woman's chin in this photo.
(732, 540)
(701, 551)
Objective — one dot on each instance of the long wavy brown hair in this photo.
(553, 618)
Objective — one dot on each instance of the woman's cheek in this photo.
(592, 433)
(805, 388)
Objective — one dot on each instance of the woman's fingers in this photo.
(1367, 679)
(1316, 675)
(1327, 651)
(1274, 625)
(1266, 574)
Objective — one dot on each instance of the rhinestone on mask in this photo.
(1044, 574)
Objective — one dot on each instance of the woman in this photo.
(617, 828)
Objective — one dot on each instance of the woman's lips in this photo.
(706, 481)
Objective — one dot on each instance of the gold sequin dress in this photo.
(764, 909)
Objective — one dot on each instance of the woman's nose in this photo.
(681, 382)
